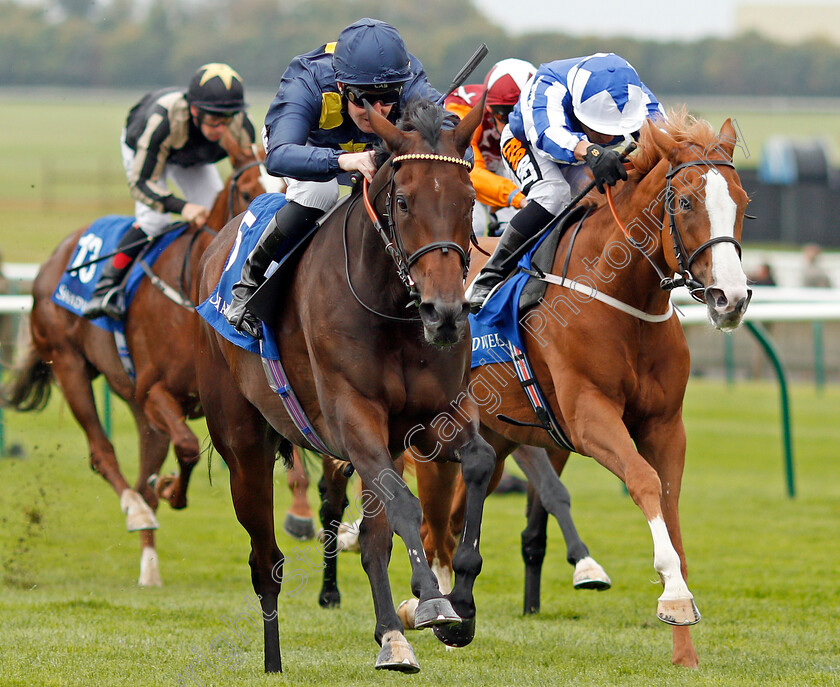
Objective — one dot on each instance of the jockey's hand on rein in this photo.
(606, 166)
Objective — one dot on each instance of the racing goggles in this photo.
(501, 113)
(387, 94)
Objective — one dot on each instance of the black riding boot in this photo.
(290, 222)
(108, 297)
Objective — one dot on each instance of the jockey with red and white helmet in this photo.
(571, 113)
(316, 131)
(495, 192)
(173, 135)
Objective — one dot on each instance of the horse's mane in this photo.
(423, 116)
(683, 128)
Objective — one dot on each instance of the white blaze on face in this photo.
(727, 273)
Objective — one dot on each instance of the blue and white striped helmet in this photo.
(607, 94)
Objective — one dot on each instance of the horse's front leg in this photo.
(364, 441)
(478, 462)
(611, 445)
(664, 448)
(376, 541)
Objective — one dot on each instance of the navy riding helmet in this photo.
(371, 52)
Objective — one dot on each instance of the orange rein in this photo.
(608, 192)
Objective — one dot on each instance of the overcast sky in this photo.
(654, 19)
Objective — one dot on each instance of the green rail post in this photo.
(729, 359)
(819, 356)
(759, 331)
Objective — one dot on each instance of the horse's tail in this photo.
(31, 385)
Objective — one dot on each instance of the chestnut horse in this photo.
(612, 359)
(373, 340)
(72, 351)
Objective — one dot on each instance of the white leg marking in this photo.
(667, 563)
(149, 571)
(443, 574)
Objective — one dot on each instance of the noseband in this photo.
(685, 277)
(392, 238)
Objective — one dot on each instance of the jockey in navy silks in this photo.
(173, 135)
(317, 130)
(570, 113)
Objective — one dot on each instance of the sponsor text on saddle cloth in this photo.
(259, 213)
(75, 288)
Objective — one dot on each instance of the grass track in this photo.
(764, 570)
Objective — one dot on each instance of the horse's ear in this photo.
(233, 149)
(467, 126)
(390, 134)
(727, 138)
(662, 140)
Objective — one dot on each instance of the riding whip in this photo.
(466, 70)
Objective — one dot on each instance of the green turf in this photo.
(764, 570)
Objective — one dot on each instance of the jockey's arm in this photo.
(290, 120)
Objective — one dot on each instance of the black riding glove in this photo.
(606, 166)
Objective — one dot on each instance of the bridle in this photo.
(685, 278)
(391, 236)
(234, 180)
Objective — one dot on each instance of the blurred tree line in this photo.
(138, 44)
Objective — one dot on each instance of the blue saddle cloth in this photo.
(500, 314)
(488, 346)
(75, 289)
(259, 213)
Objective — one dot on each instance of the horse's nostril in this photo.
(429, 313)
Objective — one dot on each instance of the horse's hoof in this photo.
(406, 611)
(458, 634)
(590, 575)
(302, 529)
(138, 515)
(678, 612)
(167, 488)
(396, 654)
(330, 598)
(433, 612)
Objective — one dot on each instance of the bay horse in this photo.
(71, 351)
(612, 358)
(372, 336)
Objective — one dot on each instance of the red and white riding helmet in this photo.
(505, 81)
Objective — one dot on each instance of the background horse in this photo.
(615, 373)
(71, 351)
(369, 374)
